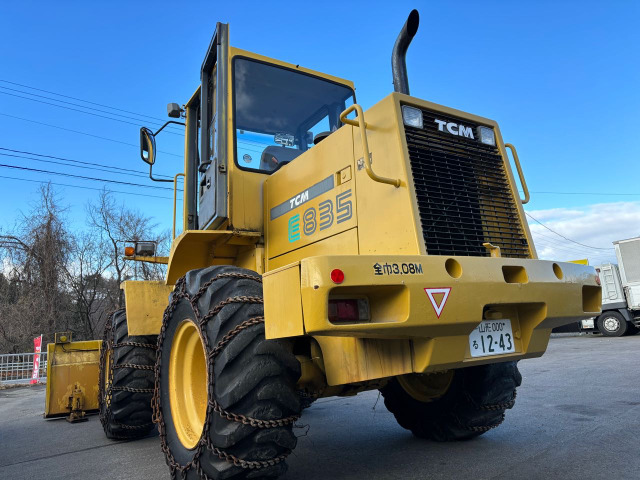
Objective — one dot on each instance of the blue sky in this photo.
(560, 77)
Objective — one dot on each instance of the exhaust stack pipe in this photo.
(399, 53)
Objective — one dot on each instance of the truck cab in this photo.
(620, 293)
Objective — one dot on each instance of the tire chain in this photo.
(492, 407)
(134, 366)
(134, 344)
(485, 428)
(131, 427)
(107, 344)
(131, 389)
(179, 293)
(501, 406)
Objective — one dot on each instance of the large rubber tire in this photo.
(126, 380)
(612, 324)
(306, 400)
(632, 329)
(248, 376)
(474, 403)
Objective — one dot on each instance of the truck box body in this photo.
(628, 253)
(612, 290)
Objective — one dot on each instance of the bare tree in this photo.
(115, 225)
(52, 280)
(89, 285)
(35, 261)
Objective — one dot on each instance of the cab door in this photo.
(212, 181)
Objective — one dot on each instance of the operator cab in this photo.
(278, 111)
(250, 116)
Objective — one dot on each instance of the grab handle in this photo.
(520, 174)
(359, 122)
(175, 189)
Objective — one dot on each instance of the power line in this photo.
(538, 242)
(93, 169)
(88, 108)
(587, 249)
(83, 187)
(83, 133)
(118, 169)
(567, 257)
(566, 238)
(549, 242)
(569, 250)
(558, 242)
(85, 178)
(248, 149)
(79, 99)
(77, 110)
(606, 194)
(161, 121)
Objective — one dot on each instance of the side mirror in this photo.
(147, 146)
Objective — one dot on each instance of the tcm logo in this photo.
(455, 129)
(299, 199)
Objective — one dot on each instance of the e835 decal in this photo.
(327, 213)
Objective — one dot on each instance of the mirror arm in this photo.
(169, 122)
(151, 165)
(157, 179)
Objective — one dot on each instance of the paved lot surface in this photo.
(577, 417)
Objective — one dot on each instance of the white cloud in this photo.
(595, 225)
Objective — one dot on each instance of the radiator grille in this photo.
(463, 192)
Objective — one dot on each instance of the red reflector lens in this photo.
(337, 276)
(598, 279)
(343, 311)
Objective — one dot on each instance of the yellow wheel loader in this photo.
(327, 250)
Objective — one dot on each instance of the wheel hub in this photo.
(426, 387)
(188, 384)
(611, 324)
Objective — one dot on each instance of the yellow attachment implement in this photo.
(146, 301)
(72, 377)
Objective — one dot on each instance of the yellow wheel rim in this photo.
(188, 384)
(426, 387)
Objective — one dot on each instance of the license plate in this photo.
(491, 337)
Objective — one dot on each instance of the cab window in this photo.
(279, 111)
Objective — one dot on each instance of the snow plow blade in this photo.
(72, 377)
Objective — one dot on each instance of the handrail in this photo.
(359, 122)
(520, 174)
(175, 189)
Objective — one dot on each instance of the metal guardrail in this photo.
(18, 367)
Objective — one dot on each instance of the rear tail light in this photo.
(349, 310)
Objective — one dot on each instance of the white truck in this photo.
(620, 292)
